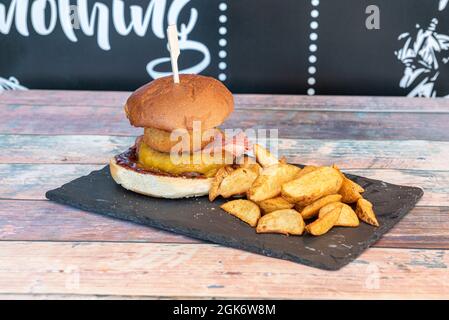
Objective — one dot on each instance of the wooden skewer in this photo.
(172, 35)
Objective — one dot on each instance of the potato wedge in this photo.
(347, 218)
(264, 157)
(364, 211)
(245, 210)
(329, 207)
(310, 187)
(274, 204)
(356, 186)
(250, 163)
(237, 182)
(305, 170)
(322, 225)
(287, 221)
(268, 183)
(219, 176)
(349, 190)
(312, 209)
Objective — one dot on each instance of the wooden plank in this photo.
(423, 227)
(30, 181)
(65, 98)
(204, 270)
(88, 149)
(61, 149)
(362, 154)
(21, 119)
(26, 181)
(434, 183)
(272, 102)
(45, 220)
(76, 297)
(348, 154)
(342, 103)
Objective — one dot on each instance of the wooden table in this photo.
(51, 251)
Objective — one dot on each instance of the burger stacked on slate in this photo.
(196, 105)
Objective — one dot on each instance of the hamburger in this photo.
(180, 122)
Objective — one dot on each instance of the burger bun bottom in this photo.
(159, 186)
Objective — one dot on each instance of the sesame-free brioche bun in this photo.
(159, 186)
(164, 105)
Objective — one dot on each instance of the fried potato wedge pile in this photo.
(285, 199)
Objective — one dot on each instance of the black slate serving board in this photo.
(199, 218)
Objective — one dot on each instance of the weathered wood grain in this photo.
(25, 181)
(45, 220)
(48, 138)
(77, 297)
(271, 102)
(434, 183)
(31, 181)
(342, 103)
(22, 119)
(348, 154)
(362, 154)
(204, 270)
(65, 98)
(61, 149)
(423, 227)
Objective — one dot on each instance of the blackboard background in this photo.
(267, 48)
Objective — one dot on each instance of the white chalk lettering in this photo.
(96, 21)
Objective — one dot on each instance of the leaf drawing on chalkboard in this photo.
(10, 84)
(422, 55)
